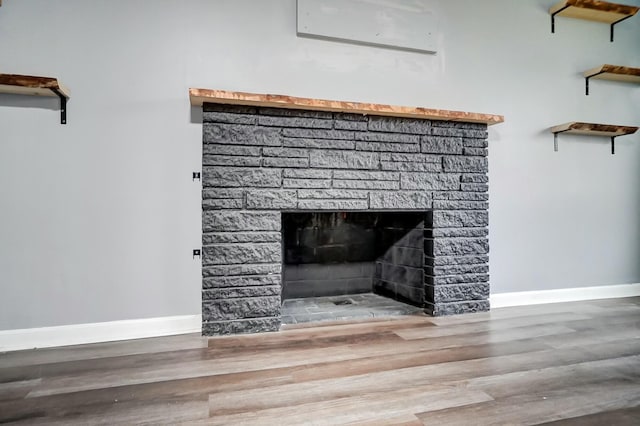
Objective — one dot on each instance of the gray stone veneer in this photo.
(258, 162)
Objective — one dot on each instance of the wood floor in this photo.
(565, 364)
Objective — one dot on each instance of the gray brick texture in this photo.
(258, 162)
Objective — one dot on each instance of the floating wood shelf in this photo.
(38, 86)
(200, 96)
(592, 10)
(578, 128)
(612, 72)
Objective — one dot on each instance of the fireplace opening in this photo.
(340, 257)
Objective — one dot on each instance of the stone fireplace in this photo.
(398, 200)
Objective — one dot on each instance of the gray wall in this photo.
(99, 217)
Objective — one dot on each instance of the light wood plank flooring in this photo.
(565, 364)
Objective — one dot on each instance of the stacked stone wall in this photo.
(259, 162)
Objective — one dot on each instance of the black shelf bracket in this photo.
(586, 82)
(553, 19)
(555, 142)
(63, 106)
(555, 139)
(612, 25)
(613, 145)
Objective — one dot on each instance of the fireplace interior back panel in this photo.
(259, 162)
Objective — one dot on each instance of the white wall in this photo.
(98, 217)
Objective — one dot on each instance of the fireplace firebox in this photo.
(304, 201)
(339, 253)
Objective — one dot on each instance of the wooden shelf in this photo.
(200, 96)
(592, 10)
(36, 86)
(612, 72)
(31, 85)
(592, 129)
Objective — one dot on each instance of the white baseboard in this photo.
(503, 300)
(80, 334)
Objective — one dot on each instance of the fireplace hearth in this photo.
(300, 202)
(348, 307)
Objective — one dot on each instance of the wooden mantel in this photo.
(200, 96)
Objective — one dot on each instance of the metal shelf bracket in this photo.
(553, 19)
(555, 142)
(614, 23)
(586, 82)
(63, 106)
(613, 145)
